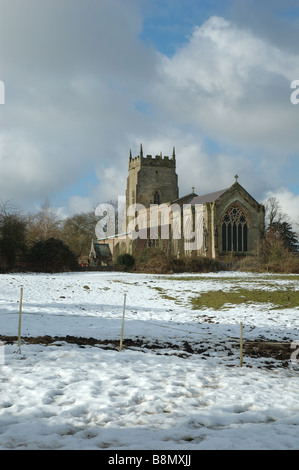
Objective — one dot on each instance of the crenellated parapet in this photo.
(150, 160)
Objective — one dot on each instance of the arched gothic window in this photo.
(234, 230)
(157, 198)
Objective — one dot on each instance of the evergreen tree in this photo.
(12, 236)
(284, 231)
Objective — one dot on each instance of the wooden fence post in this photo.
(241, 344)
(123, 323)
(20, 318)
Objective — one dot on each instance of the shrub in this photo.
(52, 255)
(126, 260)
(200, 264)
(276, 254)
(12, 240)
(153, 260)
(156, 261)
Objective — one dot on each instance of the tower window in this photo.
(234, 230)
(156, 198)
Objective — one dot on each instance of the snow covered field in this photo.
(190, 394)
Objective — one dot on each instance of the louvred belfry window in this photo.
(156, 198)
(234, 230)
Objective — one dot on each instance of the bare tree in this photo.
(273, 213)
(43, 225)
(280, 239)
(78, 231)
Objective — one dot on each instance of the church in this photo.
(219, 224)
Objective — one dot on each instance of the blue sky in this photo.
(168, 23)
(86, 81)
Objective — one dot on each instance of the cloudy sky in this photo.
(88, 80)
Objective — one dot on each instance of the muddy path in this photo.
(271, 350)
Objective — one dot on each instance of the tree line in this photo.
(43, 241)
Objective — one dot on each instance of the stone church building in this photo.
(224, 222)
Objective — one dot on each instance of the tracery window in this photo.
(234, 230)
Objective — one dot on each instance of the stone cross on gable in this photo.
(236, 178)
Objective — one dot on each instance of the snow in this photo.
(63, 396)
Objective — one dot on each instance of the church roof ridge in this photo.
(209, 197)
(184, 199)
(194, 198)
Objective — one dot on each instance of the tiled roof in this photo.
(195, 199)
(205, 198)
(185, 199)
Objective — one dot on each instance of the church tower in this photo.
(151, 180)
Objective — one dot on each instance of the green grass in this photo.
(162, 292)
(257, 277)
(280, 299)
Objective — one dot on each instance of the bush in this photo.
(12, 240)
(153, 260)
(126, 260)
(277, 255)
(52, 255)
(156, 261)
(201, 264)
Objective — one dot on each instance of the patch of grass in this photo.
(258, 277)
(218, 299)
(163, 294)
(283, 277)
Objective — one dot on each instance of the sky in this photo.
(86, 81)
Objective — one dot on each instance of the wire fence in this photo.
(228, 339)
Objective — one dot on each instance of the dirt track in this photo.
(279, 351)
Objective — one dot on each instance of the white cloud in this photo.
(234, 86)
(78, 204)
(197, 167)
(74, 71)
